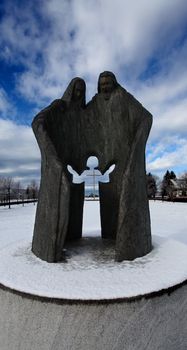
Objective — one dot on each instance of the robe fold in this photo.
(60, 204)
(118, 129)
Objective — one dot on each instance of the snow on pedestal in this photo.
(91, 272)
(70, 305)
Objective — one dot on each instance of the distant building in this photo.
(179, 187)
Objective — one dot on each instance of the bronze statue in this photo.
(114, 127)
(57, 196)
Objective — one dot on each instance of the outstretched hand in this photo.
(110, 169)
(71, 171)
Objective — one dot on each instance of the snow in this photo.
(91, 273)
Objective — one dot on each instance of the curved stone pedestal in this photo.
(156, 321)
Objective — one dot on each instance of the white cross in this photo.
(78, 179)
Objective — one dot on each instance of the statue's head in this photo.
(75, 92)
(107, 83)
(79, 90)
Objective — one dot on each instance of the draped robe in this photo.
(60, 205)
(117, 131)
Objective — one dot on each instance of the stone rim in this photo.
(61, 301)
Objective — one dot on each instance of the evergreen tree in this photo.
(151, 186)
(172, 175)
(167, 186)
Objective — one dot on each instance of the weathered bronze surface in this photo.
(114, 127)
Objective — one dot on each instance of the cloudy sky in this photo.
(45, 43)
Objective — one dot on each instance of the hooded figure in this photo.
(117, 132)
(58, 217)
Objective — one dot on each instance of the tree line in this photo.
(166, 187)
(14, 190)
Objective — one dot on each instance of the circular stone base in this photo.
(158, 322)
(92, 302)
(91, 272)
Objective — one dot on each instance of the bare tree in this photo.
(32, 190)
(183, 177)
(9, 189)
(16, 187)
(7, 184)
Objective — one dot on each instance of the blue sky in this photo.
(45, 43)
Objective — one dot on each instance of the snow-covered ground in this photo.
(91, 272)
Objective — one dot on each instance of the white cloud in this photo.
(168, 84)
(83, 38)
(168, 153)
(5, 104)
(19, 153)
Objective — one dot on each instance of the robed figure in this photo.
(117, 130)
(60, 205)
(114, 127)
